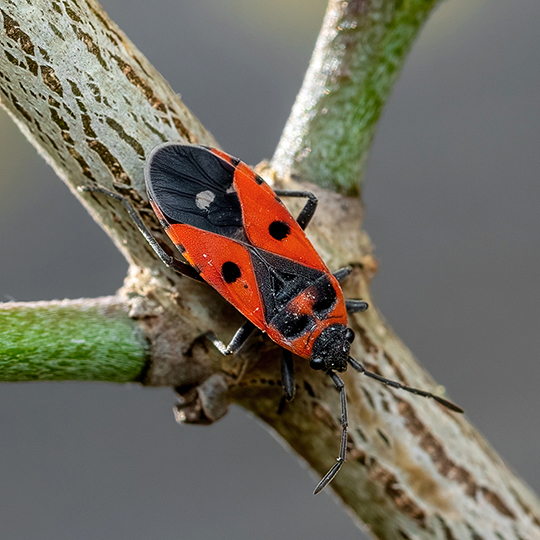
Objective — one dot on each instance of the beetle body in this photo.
(237, 236)
(233, 229)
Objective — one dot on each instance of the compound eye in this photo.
(316, 363)
(349, 335)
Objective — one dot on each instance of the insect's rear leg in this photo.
(179, 266)
(241, 336)
(307, 212)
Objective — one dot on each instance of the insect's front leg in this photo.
(307, 212)
(179, 266)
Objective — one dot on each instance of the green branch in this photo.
(358, 57)
(85, 340)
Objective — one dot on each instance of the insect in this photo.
(237, 236)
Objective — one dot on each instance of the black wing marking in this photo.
(280, 280)
(192, 186)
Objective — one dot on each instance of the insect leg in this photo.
(355, 306)
(329, 476)
(307, 212)
(287, 375)
(241, 336)
(342, 273)
(179, 266)
(394, 384)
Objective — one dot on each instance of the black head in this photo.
(331, 348)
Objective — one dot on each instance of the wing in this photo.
(267, 223)
(224, 264)
(261, 285)
(191, 186)
(231, 226)
(212, 191)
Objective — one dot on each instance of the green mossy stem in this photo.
(357, 59)
(83, 340)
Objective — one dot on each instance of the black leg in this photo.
(287, 375)
(355, 306)
(307, 212)
(329, 476)
(342, 273)
(241, 336)
(179, 266)
(394, 384)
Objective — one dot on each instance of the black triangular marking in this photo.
(280, 280)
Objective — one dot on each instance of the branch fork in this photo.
(414, 469)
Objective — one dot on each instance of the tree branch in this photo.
(92, 104)
(358, 57)
(76, 340)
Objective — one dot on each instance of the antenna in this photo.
(340, 385)
(394, 384)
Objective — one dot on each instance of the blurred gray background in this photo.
(452, 197)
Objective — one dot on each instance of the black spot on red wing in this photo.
(279, 230)
(325, 297)
(230, 272)
(259, 180)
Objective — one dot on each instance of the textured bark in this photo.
(357, 58)
(92, 104)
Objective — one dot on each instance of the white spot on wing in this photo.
(204, 199)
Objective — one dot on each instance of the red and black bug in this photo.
(238, 237)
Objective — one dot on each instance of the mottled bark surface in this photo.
(358, 57)
(94, 107)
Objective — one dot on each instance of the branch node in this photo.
(204, 404)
